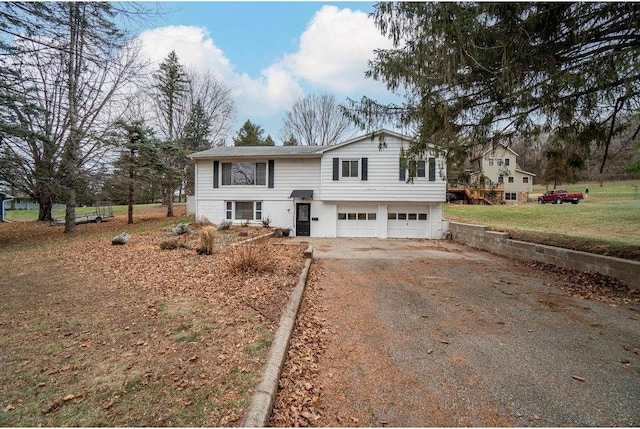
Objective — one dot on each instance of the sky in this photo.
(270, 54)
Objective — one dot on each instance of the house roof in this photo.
(492, 149)
(284, 151)
(519, 170)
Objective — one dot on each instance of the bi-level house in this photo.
(499, 164)
(357, 188)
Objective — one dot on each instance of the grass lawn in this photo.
(607, 222)
(101, 335)
(29, 215)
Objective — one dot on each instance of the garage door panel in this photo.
(407, 222)
(357, 221)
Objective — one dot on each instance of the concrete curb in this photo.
(262, 401)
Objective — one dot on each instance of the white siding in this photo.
(383, 182)
(289, 175)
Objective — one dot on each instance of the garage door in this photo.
(407, 223)
(357, 221)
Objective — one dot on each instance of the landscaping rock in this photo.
(120, 239)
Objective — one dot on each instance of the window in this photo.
(362, 216)
(371, 216)
(499, 162)
(510, 179)
(421, 169)
(243, 210)
(490, 162)
(525, 180)
(391, 216)
(500, 179)
(342, 216)
(412, 216)
(510, 196)
(349, 168)
(506, 162)
(229, 210)
(402, 216)
(351, 216)
(244, 173)
(258, 210)
(422, 216)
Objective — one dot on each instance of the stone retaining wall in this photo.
(479, 237)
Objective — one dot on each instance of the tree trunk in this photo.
(130, 197)
(44, 210)
(169, 202)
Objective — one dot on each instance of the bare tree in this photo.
(316, 120)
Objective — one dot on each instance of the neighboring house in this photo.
(24, 202)
(500, 165)
(3, 198)
(351, 189)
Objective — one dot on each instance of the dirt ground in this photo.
(451, 339)
(101, 335)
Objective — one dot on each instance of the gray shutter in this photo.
(365, 168)
(336, 168)
(432, 169)
(271, 173)
(216, 174)
(403, 172)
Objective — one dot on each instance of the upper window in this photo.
(510, 179)
(500, 179)
(525, 180)
(506, 161)
(244, 173)
(421, 169)
(499, 162)
(350, 168)
(490, 162)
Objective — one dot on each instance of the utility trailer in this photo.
(102, 210)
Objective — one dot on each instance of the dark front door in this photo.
(303, 220)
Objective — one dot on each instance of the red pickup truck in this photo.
(559, 196)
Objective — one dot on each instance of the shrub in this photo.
(182, 228)
(266, 221)
(207, 240)
(120, 239)
(251, 258)
(169, 244)
(224, 225)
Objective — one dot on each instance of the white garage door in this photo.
(407, 222)
(357, 221)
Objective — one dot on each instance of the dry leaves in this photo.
(590, 285)
(298, 394)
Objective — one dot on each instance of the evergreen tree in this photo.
(290, 141)
(268, 141)
(196, 133)
(171, 88)
(249, 135)
(479, 73)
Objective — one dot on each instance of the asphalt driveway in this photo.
(431, 333)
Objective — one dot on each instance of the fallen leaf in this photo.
(577, 378)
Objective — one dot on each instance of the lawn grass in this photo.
(608, 221)
(32, 214)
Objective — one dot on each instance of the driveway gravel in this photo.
(432, 333)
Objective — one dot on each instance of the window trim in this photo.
(231, 210)
(351, 168)
(265, 179)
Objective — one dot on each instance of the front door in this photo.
(303, 220)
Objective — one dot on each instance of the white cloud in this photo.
(273, 90)
(334, 50)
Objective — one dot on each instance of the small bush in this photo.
(266, 221)
(120, 239)
(251, 258)
(207, 240)
(224, 225)
(169, 244)
(182, 228)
